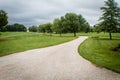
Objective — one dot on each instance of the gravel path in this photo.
(61, 62)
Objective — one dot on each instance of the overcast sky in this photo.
(36, 12)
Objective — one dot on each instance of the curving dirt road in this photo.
(61, 62)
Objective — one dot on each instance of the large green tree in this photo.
(83, 24)
(72, 22)
(111, 16)
(3, 19)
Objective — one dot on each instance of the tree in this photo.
(48, 28)
(33, 29)
(9, 27)
(57, 26)
(83, 24)
(19, 27)
(16, 27)
(63, 24)
(41, 28)
(110, 16)
(97, 28)
(72, 22)
(45, 28)
(87, 27)
(3, 19)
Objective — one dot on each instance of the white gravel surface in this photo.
(61, 62)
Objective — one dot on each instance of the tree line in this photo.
(69, 23)
(14, 27)
(72, 23)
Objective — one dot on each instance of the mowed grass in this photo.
(12, 42)
(99, 51)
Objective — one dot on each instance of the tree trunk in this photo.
(110, 35)
(60, 34)
(74, 34)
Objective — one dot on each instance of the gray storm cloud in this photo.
(36, 12)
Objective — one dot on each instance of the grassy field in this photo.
(12, 42)
(100, 50)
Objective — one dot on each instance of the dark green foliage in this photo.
(64, 27)
(41, 28)
(57, 26)
(33, 29)
(69, 23)
(83, 25)
(110, 17)
(16, 27)
(3, 19)
(48, 28)
(72, 22)
(45, 28)
(97, 28)
(118, 29)
(3, 29)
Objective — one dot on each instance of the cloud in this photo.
(36, 12)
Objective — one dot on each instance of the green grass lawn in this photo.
(100, 51)
(12, 42)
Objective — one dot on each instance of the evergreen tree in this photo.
(110, 16)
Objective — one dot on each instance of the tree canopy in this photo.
(69, 23)
(83, 24)
(16, 27)
(3, 19)
(111, 16)
(72, 22)
(32, 29)
(45, 28)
